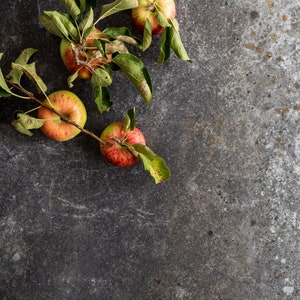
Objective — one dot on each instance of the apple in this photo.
(113, 151)
(70, 106)
(84, 57)
(147, 9)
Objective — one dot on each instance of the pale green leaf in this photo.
(30, 71)
(153, 163)
(134, 68)
(15, 75)
(176, 43)
(87, 21)
(116, 47)
(59, 24)
(117, 6)
(29, 122)
(72, 8)
(101, 77)
(161, 17)
(20, 128)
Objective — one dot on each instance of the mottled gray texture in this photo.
(225, 226)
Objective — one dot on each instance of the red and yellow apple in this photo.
(68, 105)
(116, 153)
(84, 57)
(148, 9)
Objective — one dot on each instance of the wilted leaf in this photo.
(30, 71)
(153, 163)
(176, 43)
(117, 6)
(161, 17)
(116, 47)
(15, 75)
(20, 128)
(134, 68)
(101, 77)
(29, 122)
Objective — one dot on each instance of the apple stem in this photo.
(63, 118)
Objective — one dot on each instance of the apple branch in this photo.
(32, 97)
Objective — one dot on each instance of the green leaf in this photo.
(29, 122)
(15, 75)
(24, 123)
(101, 77)
(122, 34)
(130, 120)
(117, 6)
(30, 71)
(58, 24)
(153, 163)
(134, 68)
(147, 35)
(20, 128)
(85, 5)
(165, 46)
(72, 8)
(101, 47)
(4, 89)
(176, 43)
(161, 17)
(102, 98)
(87, 21)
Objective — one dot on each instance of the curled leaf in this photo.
(24, 123)
(30, 71)
(176, 43)
(15, 75)
(130, 120)
(153, 163)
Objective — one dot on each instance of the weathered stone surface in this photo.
(225, 226)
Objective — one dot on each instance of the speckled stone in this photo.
(225, 226)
